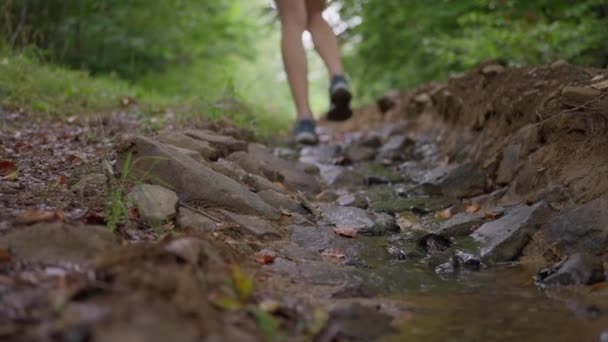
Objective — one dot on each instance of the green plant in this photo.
(117, 208)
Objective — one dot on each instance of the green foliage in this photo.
(406, 42)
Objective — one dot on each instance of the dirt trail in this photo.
(423, 218)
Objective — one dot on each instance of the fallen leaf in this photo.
(5, 255)
(31, 216)
(242, 283)
(265, 257)
(346, 232)
(334, 253)
(11, 176)
(62, 181)
(472, 208)
(7, 168)
(444, 214)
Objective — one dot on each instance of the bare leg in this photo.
(323, 36)
(293, 24)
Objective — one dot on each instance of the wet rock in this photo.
(579, 95)
(461, 224)
(255, 225)
(433, 243)
(184, 141)
(577, 269)
(59, 242)
(356, 323)
(327, 196)
(252, 181)
(579, 229)
(319, 239)
(356, 290)
(260, 161)
(323, 154)
(282, 201)
(223, 143)
(352, 200)
(194, 182)
(188, 219)
(511, 158)
(376, 174)
(154, 203)
(315, 272)
(358, 152)
(366, 223)
(504, 239)
(336, 176)
(467, 261)
(397, 148)
(460, 182)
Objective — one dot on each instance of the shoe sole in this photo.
(306, 138)
(341, 110)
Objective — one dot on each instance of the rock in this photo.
(352, 200)
(223, 143)
(366, 223)
(282, 201)
(252, 181)
(327, 196)
(376, 174)
(509, 164)
(388, 101)
(59, 242)
(336, 176)
(260, 161)
(320, 154)
(504, 239)
(460, 182)
(461, 224)
(600, 85)
(356, 322)
(433, 243)
(184, 141)
(358, 152)
(579, 229)
(318, 239)
(189, 219)
(579, 95)
(190, 153)
(397, 148)
(493, 69)
(467, 261)
(385, 199)
(577, 269)
(254, 225)
(315, 272)
(154, 203)
(188, 249)
(194, 182)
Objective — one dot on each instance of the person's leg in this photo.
(293, 24)
(326, 44)
(323, 36)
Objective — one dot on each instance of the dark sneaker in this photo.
(304, 132)
(340, 96)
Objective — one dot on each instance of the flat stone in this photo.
(189, 219)
(579, 95)
(398, 147)
(236, 172)
(461, 224)
(260, 161)
(315, 272)
(184, 141)
(358, 152)
(255, 225)
(222, 143)
(59, 242)
(154, 203)
(460, 182)
(282, 201)
(584, 228)
(337, 177)
(320, 154)
(578, 269)
(505, 238)
(509, 164)
(366, 223)
(194, 183)
(352, 200)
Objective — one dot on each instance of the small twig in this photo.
(200, 212)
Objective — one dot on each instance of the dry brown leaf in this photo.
(346, 232)
(265, 257)
(444, 214)
(334, 253)
(5, 255)
(489, 215)
(472, 208)
(62, 181)
(31, 216)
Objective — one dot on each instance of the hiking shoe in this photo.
(304, 132)
(340, 96)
